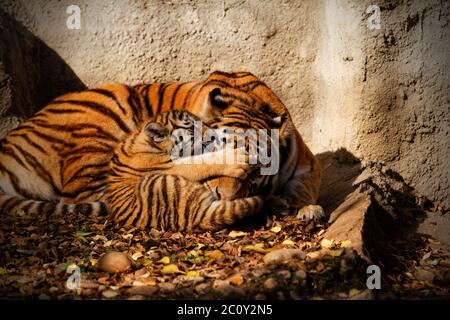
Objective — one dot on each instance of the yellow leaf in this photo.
(170, 269)
(165, 260)
(3, 271)
(100, 237)
(254, 248)
(127, 236)
(193, 274)
(288, 242)
(432, 241)
(237, 234)
(336, 253)
(328, 244)
(353, 292)
(216, 254)
(276, 229)
(136, 256)
(236, 279)
(194, 253)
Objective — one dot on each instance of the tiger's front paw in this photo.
(311, 212)
(238, 171)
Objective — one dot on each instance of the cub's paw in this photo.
(311, 212)
(238, 171)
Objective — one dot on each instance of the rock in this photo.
(286, 274)
(424, 275)
(283, 255)
(136, 297)
(109, 294)
(146, 291)
(260, 296)
(201, 288)
(226, 290)
(167, 287)
(300, 274)
(114, 262)
(270, 283)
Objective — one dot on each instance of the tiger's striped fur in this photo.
(148, 190)
(62, 154)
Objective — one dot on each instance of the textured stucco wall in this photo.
(383, 94)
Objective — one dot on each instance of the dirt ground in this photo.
(267, 258)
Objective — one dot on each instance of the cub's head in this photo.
(157, 139)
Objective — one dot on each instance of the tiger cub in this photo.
(147, 189)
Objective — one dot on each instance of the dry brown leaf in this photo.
(236, 279)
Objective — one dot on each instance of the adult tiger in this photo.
(62, 153)
(234, 97)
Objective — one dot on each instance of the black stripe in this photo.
(148, 105)
(76, 127)
(234, 75)
(162, 89)
(111, 95)
(82, 168)
(190, 92)
(31, 142)
(10, 152)
(98, 108)
(174, 95)
(39, 168)
(135, 104)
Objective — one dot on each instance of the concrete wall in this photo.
(381, 93)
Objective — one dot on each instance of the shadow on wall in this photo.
(339, 169)
(31, 73)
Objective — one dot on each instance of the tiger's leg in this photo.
(299, 194)
(212, 164)
(222, 213)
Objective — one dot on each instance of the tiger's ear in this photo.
(216, 99)
(156, 131)
(213, 100)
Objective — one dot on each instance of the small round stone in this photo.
(114, 262)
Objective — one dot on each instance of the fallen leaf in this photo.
(237, 234)
(433, 241)
(82, 234)
(170, 269)
(193, 274)
(288, 242)
(136, 256)
(236, 279)
(426, 255)
(336, 253)
(215, 255)
(164, 260)
(127, 236)
(327, 244)
(99, 237)
(276, 229)
(3, 271)
(353, 292)
(254, 248)
(62, 267)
